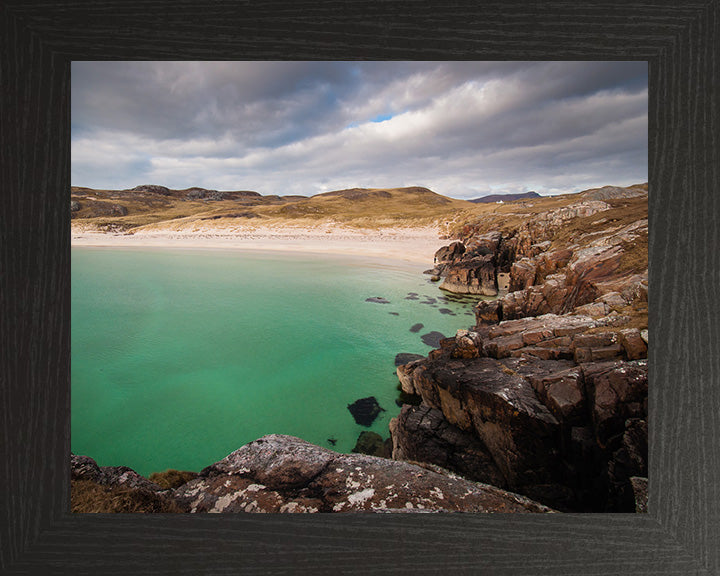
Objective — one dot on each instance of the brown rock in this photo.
(522, 274)
(487, 312)
(633, 343)
(563, 393)
(474, 276)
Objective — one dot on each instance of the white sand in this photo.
(417, 245)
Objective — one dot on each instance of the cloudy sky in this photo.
(462, 129)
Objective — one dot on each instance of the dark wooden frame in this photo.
(681, 533)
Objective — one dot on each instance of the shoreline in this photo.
(410, 245)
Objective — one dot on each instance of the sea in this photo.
(181, 356)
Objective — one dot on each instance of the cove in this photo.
(179, 357)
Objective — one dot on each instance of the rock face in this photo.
(547, 394)
(285, 474)
(563, 433)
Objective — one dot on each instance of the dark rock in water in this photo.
(432, 272)
(372, 444)
(416, 327)
(365, 410)
(412, 297)
(332, 441)
(446, 311)
(435, 278)
(394, 313)
(377, 300)
(432, 339)
(406, 357)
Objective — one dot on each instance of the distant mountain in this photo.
(504, 197)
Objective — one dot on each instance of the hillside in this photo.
(157, 208)
(154, 207)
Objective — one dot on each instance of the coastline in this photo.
(412, 245)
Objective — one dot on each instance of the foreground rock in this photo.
(285, 474)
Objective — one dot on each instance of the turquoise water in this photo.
(180, 357)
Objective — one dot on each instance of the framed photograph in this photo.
(45, 46)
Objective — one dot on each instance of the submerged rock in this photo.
(365, 410)
(377, 300)
(432, 339)
(416, 327)
(372, 444)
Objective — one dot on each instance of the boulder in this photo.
(285, 474)
(634, 345)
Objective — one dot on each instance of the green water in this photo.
(180, 357)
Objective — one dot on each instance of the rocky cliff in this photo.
(547, 394)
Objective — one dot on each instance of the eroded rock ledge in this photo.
(279, 473)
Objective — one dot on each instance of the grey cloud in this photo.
(282, 127)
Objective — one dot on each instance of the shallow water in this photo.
(180, 357)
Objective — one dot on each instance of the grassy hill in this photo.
(156, 207)
(152, 207)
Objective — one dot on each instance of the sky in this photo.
(462, 129)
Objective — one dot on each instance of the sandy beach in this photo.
(416, 245)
